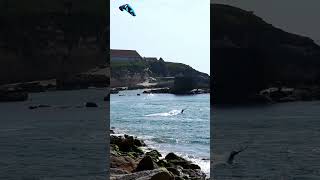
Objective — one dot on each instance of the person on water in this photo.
(182, 111)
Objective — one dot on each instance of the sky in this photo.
(176, 30)
(294, 16)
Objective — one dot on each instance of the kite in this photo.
(128, 8)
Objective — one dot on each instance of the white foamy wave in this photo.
(170, 113)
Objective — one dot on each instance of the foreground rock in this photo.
(128, 162)
(157, 174)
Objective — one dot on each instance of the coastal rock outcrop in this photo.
(251, 55)
(128, 161)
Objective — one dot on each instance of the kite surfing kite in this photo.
(128, 8)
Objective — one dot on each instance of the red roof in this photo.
(124, 53)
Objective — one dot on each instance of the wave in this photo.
(170, 113)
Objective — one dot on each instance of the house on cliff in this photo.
(125, 55)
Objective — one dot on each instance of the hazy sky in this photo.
(176, 30)
(295, 16)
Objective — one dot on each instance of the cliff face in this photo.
(248, 55)
(50, 40)
(130, 73)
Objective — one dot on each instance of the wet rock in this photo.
(146, 163)
(174, 171)
(154, 154)
(139, 142)
(91, 104)
(179, 161)
(111, 131)
(172, 156)
(163, 163)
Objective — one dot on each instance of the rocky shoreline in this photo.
(130, 161)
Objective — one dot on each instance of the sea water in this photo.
(159, 121)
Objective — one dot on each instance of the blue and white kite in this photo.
(128, 8)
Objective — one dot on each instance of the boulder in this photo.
(146, 163)
(125, 163)
(154, 154)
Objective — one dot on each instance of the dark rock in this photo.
(146, 163)
(112, 131)
(125, 163)
(154, 154)
(114, 91)
(258, 55)
(174, 171)
(194, 174)
(118, 171)
(157, 91)
(171, 156)
(179, 161)
(163, 163)
(12, 96)
(139, 142)
(162, 176)
(138, 94)
(31, 87)
(91, 104)
(183, 85)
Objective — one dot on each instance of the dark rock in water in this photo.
(154, 154)
(39, 106)
(33, 107)
(111, 131)
(157, 91)
(44, 106)
(91, 104)
(138, 142)
(138, 94)
(12, 96)
(171, 156)
(31, 87)
(183, 85)
(146, 163)
(179, 161)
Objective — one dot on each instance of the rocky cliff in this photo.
(249, 55)
(53, 39)
(130, 73)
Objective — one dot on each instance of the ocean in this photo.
(157, 119)
(63, 141)
(282, 141)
